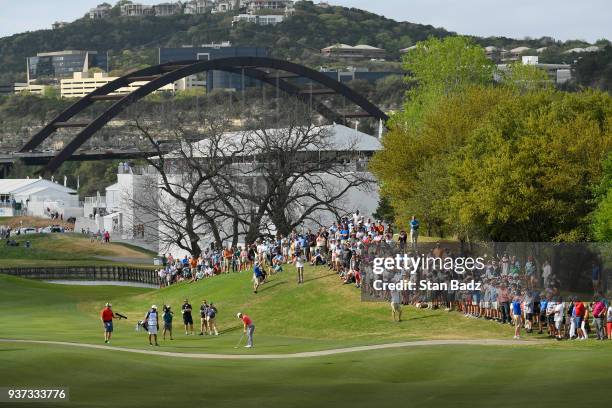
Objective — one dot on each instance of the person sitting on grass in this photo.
(167, 317)
(277, 263)
(317, 258)
(199, 275)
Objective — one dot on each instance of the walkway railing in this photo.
(86, 273)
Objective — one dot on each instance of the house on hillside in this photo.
(100, 11)
(357, 52)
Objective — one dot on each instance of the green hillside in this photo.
(66, 250)
(320, 314)
(132, 42)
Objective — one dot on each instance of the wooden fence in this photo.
(86, 273)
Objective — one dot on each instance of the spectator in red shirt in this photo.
(107, 316)
(249, 328)
(579, 311)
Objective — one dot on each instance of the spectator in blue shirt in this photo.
(258, 276)
(414, 232)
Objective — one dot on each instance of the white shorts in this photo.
(152, 329)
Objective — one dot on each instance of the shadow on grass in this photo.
(270, 286)
(321, 277)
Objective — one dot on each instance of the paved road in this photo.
(307, 354)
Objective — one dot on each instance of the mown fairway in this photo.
(440, 376)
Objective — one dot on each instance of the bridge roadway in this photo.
(42, 158)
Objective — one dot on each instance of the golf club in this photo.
(239, 341)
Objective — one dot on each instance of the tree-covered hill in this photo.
(132, 41)
(310, 29)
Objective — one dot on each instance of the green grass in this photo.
(66, 250)
(322, 313)
(438, 376)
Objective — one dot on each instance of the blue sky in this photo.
(561, 19)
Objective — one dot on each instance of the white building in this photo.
(167, 9)
(198, 6)
(558, 73)
(357, 52)
(258, 5)
(99, 12)
(38, 198)
(82, 84)
(136, 10)
(115, 211)
(259, 19)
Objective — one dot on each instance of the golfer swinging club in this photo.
(249, 328)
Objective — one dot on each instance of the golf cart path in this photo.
(307, 354)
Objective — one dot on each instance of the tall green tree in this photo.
(438, 70)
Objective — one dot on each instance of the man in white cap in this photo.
(107, 317)
(249, 328)
(152, 320)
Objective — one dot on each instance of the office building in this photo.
(62, 64)
(216, 79)
(82, 84)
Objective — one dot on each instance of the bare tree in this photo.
(282, 170)
(190, 152)
(304, 169)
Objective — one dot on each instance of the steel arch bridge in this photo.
(271, 71)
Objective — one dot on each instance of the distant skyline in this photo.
(588, 20)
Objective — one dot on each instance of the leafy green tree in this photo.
(430, 125)
(602, 219)
(527, 172)
(602, 216)
(385, 210)
(525, 77)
